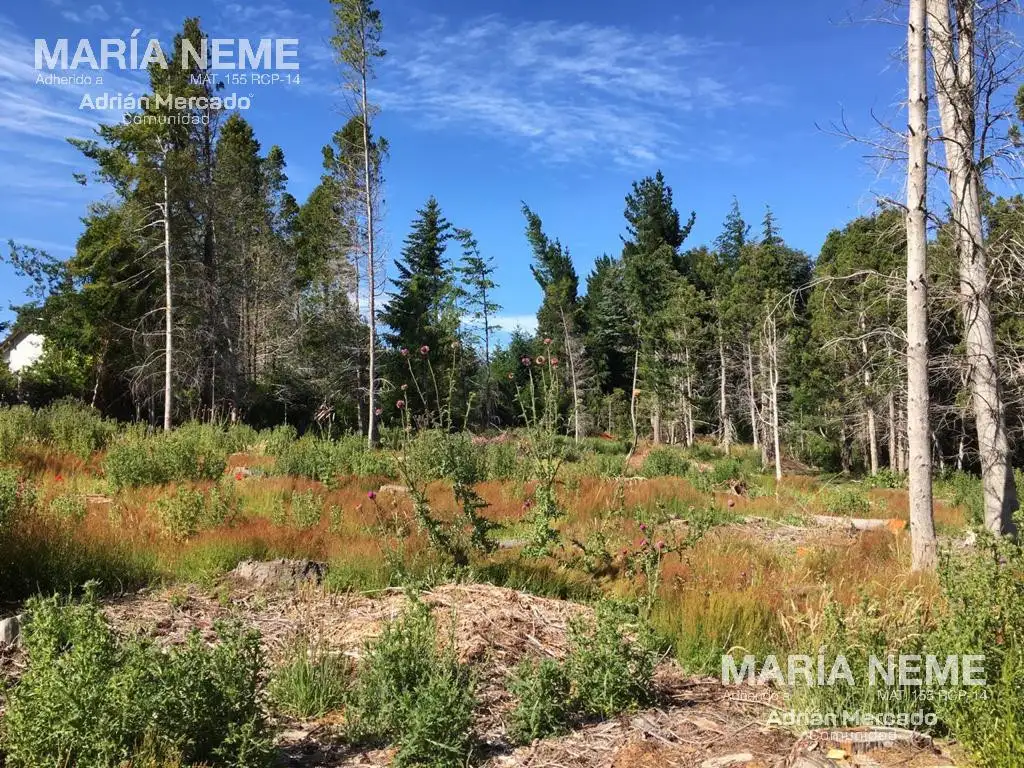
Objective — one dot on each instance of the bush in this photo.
(609, 670)
(845, 502)
(859, 633)
(187, 511)
(664, 462)
(192, 452)
(413, 694)
(92, 700)
(69, 506)
(17, 498)
(542, 707)
(73, 427)
(322, 460)
(307, 509)
(984, 616)
(436, 455)
(17, 426)
(310, 682)
(963, 489)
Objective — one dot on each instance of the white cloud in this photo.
(568, 91)
(510, 323)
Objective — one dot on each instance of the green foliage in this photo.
(90, 699)
(307, 509)
(543, 707)
(886, 478)
(191, 452)
(325, 460)
(664, 462)
(865, 631)
(963, 489)
(17, 426)
(984, 617)
(17, 498)
(75, 428)
(69, 506)
(414, 694)
(187, 510)
(310, 682)
(609, 670)
(845, 501)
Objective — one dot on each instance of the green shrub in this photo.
(69, 506)
(611, 662)
(504, 461)
(307, 508)
(542, 706)
(18, 425)
(609, 670)
(191, 452)
(17, 498)
(414, 694)
(845, 502)
(963, 489)
(664, 462)
(436, 455)
(74, 427)
(92, 700)
(984, 616)
(187, 510)
(310, 682)
(320, 459)
(275, 441)
(886, 478)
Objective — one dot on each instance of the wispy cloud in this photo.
(568, 91)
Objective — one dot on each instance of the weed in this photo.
(543, 708)
(414, 694)
(310, 682)
(92, 700)
(664, 462)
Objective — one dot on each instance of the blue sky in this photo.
(559, 103)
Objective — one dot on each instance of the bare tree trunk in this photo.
(869, 413)
(953, 59)
(688, 410)
(773, 380)
(893, 460)
(723, 403)
(656, 422)
(169, 311)
(632, 399)
(922, 523)
(371, 416)
(577, 427)
(754, 426)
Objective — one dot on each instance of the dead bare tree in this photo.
(967, 46)
(922, 523)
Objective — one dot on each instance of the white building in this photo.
(21, 349)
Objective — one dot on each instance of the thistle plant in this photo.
(539, 407)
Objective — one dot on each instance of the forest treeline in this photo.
(746, 339)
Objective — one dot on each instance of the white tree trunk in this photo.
(577, 425)
(723, 403)
(953, 59)
(893, 461)
(754, 426)
(922, 523)
(371, 416)
(169, 309)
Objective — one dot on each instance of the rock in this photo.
(280, 574)
(396, 489)
(725, 761)
(10, 629)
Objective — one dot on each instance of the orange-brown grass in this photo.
(236, 460)
(734, 591)
(34, 460)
